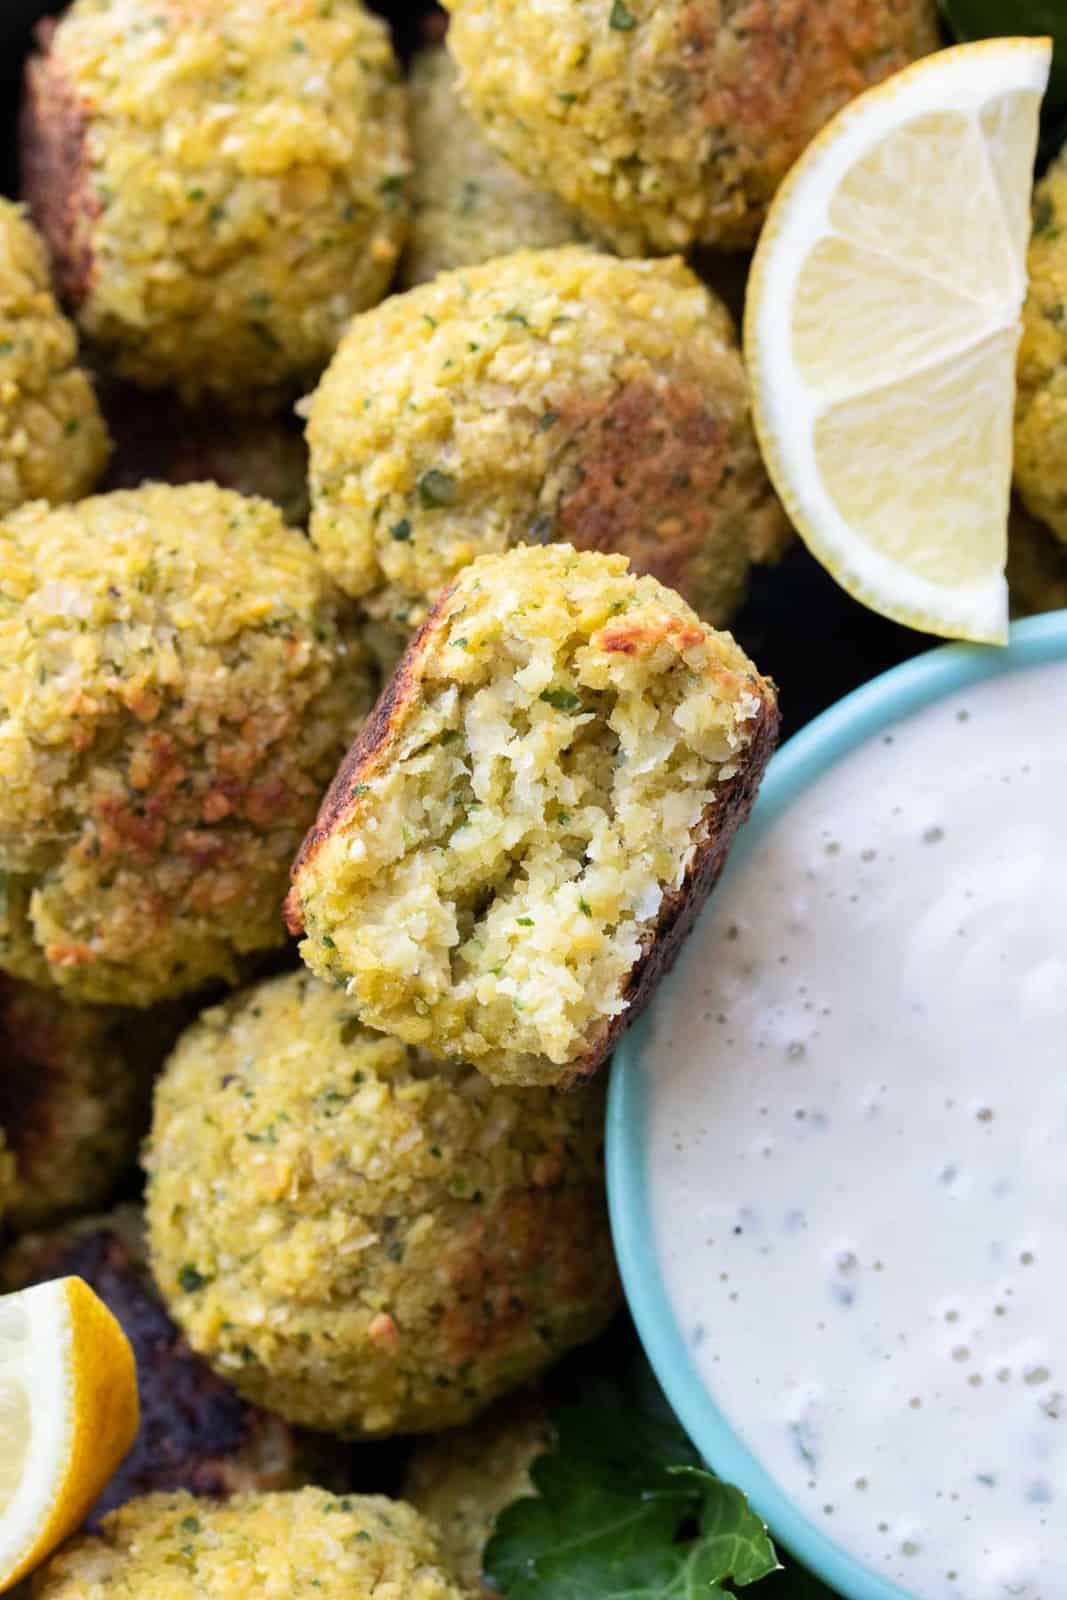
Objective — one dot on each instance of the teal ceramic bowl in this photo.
(863, 715)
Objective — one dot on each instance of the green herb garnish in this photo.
(561, 699)
(392, 189)
(437, 489)
(623, 1508)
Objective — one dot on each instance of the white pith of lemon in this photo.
(68, 1414)
(881, 325)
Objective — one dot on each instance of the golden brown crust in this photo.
(55, 167)
(650, 478)
(676, 128)
(369, 751)
(662, 940)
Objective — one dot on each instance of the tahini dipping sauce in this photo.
(858, 1147)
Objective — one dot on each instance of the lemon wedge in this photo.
(881, 325)
(68, 1414)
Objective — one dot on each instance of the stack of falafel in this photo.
(375, 1201)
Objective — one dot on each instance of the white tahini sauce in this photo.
(858, 1147)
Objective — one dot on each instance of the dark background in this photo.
(798, 625)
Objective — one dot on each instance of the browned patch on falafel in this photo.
(648, 461)
(370, 750)
(55, 173)
(641, 637)
(768, 74)
(531, 1237)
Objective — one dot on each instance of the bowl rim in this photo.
(823, 742)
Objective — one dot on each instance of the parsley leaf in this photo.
(561, 699)
(623, 1510)
(437, 488)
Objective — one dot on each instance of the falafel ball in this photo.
(1041, 387)
(463, 1480)
(1037, 566)
(670, 123)
(53, 442)
(537, 808)
(73, 1103)
(556, 394)
(306, 1544)
(159, 440)
(467, 205)
(195, 1431)
(359, 1237)
(176, 686)
(222, 184)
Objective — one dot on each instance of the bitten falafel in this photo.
(53, 442)
(467, 205)
(1041, 389)
(222, 184)
(195, 1432)
(176, 686)
(359, 1237)
(73, 1102)
(535, 811)
(303, 1545)
(669, 123)
(554, 394)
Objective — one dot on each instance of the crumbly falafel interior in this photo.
(494, 888)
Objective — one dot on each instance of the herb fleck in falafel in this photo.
(547, 395)
(176, 685)
(53, 442)
(305, 1544)
(537, 808)
(361, 1238)
(222, 184)
(672, 122)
